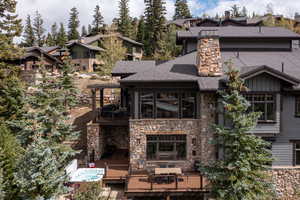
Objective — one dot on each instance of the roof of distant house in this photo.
(241, 32)
(94, 38)
(29, 52)
(90, 47)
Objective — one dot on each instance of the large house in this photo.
(162, 125)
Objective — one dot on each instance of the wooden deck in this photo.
(116, 167)
(141, 185)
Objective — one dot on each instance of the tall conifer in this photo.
(182, 10)
(73, 25)
(124, 21)
(29, 37)
(39, 29)
(98, 21)
(62, 37)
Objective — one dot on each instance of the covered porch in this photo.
(110, 104)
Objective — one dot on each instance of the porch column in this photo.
(95, 142)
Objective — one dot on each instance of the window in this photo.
(147, 105)
(166, 147)
(188, 105)
(297, 108)
(167, 105)
(264, 103)
(297, 153)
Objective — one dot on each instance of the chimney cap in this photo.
(213, 33)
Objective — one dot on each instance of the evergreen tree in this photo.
(141, 30)
(134, 24)
(182, 10)
(74, 23)
(244, 12)
(54, 34)
(62, 37)
(41, 170)
(114, 51)
(155, 25)
(98, 21)
(124, 21)
(49, 40)
(29, 37)
(270, 9)
(235, 11)
(92, 192)
(83, 31)
(10, 152)
(89, 29)
(242, 173)
(39, 29)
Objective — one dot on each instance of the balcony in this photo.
(112, 114)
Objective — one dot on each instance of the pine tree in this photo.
(235, 11)
(242, 173)
(49, 40)
(62, 37)
(39, 29)
(54, 33)
(135, 25)
(83, 31)
(98, 21)
(89, 29)
(141, 30)
(182, 10)
(114, 51)
(41, 170)
(74, 23)
(155, 25)
(10, 152)
(244, 12)
(29, 37)
(124, 21)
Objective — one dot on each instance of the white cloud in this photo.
(286, 7)
(195, 6)
(58, 10)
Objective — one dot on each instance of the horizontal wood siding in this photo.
(282, 154)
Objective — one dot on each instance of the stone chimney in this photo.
(209, 54)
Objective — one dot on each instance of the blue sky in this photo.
(58, 10)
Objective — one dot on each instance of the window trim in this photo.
(180, 103)
(265, 104)
(297, 106)
(174, 142)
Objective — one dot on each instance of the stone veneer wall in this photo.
(198, 129)
(209, 56)
(287, 183)
(117, 136)
(95, 141)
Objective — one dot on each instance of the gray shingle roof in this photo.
(182, 69)
(132, 67)
(91, 47)
(241, 32)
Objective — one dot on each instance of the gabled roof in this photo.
(90, 47)
(132, 67)
(255, 71)
(29, 53)
(50, 48)
(91, 39)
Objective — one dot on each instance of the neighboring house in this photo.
(134, 48)
(84, 56)
(36, 56)
(167, 109)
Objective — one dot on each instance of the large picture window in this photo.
(167, 105)
(265, 104)
(297, 108)
(166, 147)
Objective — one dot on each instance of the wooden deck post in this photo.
(176, 181)
(168, 197)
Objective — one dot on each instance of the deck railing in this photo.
(149, 183)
